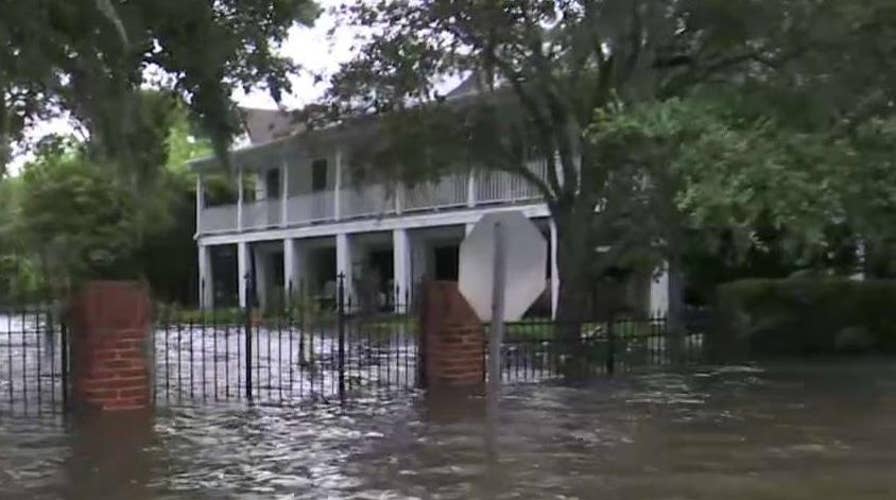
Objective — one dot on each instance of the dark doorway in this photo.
(278, 279)
(224, 275)
(446, 262)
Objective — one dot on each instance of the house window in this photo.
(318, 175)
(272, 181)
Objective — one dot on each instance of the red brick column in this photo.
(109, 350)
(453, 338)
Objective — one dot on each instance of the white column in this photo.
(555, 271)
(337, 194)
(284, 194)
(344, 263)
(242, 270)
(206, 285)
(261, 278)
(293, 267)
(401, 264)
(399, 197)
(200, 203)
(659, 291)
(471, 189)
(468, 228)
(239, 199)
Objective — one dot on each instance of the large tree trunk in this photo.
(573, 259)
(675, 316)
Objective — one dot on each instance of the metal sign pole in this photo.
(499, 278)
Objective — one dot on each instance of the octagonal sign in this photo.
(526, 260)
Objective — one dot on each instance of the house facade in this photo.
(299, 221)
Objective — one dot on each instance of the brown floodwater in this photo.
(789, 431)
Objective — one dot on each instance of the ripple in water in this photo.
(787, 431)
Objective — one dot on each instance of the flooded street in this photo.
(813, 430)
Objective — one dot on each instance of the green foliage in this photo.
(538, 69)
(78, 218)
(804, 316)
(153, 239)
(767, 194)
(92, 58)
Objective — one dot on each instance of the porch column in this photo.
(239, 199)
(659, 291)
(471, 190)
(401, 265)
(344, 263)
(555, 271)
(337, 193)
(468, 228)
(242, 270)
(206, 285)
(293, 268)
(200, 203)
(284, 195)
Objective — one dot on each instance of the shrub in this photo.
(804, 316)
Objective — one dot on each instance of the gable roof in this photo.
(266, 125)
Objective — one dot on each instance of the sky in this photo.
(312, 48)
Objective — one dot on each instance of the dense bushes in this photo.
(806, 316)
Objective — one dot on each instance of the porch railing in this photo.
(369, 201)
(375, 200)
(310, 208)
(447, 192)
(218, 218)
(262, 214)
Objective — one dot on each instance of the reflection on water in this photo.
(787, 431)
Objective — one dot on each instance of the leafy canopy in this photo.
(91, 57)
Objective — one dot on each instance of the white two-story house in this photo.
(298, 223)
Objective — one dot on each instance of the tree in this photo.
(50, 213)
(76, 218)
(90, 58)
(756, 183)
(542, 68)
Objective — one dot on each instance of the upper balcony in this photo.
(369, 201)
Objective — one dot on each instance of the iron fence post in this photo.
(63, 348)
(248, 340)
(340, 324)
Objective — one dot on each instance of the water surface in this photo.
(795, 431)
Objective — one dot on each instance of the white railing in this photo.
(369, 201)
(447, 192)
(311, 207)
(217, 219)
(375, 200)
(262, 214)
(502, 187)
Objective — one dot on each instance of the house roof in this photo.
(273, 132)
(266, 125)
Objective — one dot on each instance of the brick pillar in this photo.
(109, 347)
(453, 338)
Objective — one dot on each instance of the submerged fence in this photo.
(540, 349)
(282, 357)
(329, 353)
(33, 360)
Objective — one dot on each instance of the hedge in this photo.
(803, 316)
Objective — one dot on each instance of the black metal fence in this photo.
(33, 360)
(297, 353)
(542, 349)
(292, 353)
